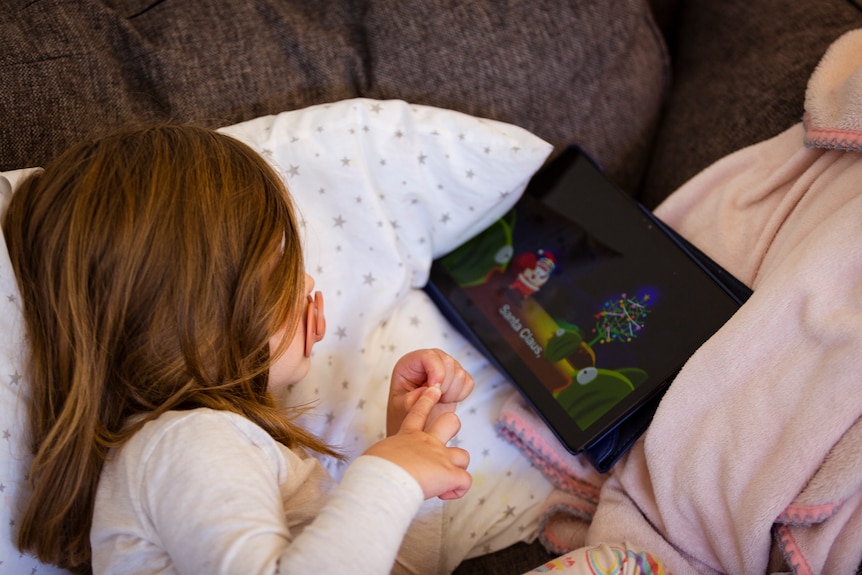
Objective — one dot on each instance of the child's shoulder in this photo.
(200, 416)
(200, 430)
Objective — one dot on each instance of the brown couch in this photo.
(654, 104)
(654, 90)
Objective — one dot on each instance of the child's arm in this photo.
(421, 369)
(211, 492)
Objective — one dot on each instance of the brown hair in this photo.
(154, 265)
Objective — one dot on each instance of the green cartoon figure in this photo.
(568, 344)
(595, 390)
(490, 251)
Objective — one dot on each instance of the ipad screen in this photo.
(587, 305)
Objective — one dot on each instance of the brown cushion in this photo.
(740, 73)
(69, 68)
(589, 73)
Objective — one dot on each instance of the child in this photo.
(165, 299)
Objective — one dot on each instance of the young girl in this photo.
(165, 299)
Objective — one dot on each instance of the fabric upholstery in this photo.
(587, 72)
(567, 72)
(739, 76)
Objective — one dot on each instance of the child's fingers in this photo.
(460, 386)
(428, 367)
(417, 417)
(458, 492)
(459, 457)
(443, 369)
(422, 365)
(445, 427)
(439, 366)
(462, 486)
(411, 397)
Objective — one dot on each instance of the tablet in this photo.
(586, 302)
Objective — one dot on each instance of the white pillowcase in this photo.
(382, 188)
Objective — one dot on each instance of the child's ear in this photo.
(315, 325)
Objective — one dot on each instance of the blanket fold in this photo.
(570, 507)
(756, 449)
(833, 110)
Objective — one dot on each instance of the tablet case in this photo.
(606, 449)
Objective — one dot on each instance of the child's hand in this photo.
(421, 369)
(419, 447)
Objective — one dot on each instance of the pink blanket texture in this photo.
(753, 462)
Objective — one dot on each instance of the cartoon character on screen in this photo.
(620, 320)
(485, 256)
(533, 271)
(594, 390)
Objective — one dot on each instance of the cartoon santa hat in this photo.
(549, 257)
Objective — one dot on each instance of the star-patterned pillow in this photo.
(382, 188)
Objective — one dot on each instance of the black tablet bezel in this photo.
(554, 187)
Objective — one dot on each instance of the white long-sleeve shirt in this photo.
(206, 491)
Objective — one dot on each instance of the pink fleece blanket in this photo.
(571, 506)
(753, 462)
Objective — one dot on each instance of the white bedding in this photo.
(382, 188)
